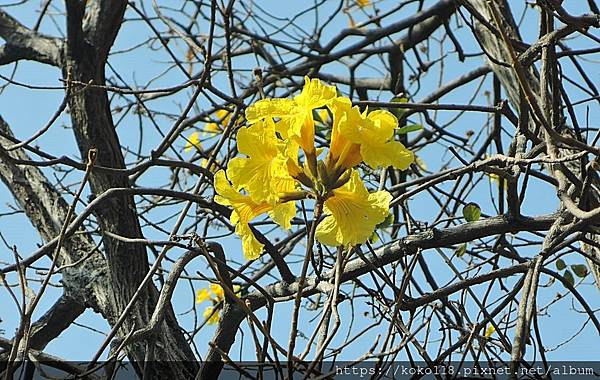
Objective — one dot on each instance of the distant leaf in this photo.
(409, 128)
(560, 264)
(420, 163)
(29, 293)
(388, 221)
(460, 251)
(580, 270)
(398, 112)
(569, 277)
(472, 212)
(489, 331)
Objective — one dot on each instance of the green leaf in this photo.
(409, 128)
(569, 277)
(388, 221)
(580, 270)
(560, 264)
(460, 251)
(398, 112)
(472, 212)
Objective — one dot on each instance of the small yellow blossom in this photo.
(211, 315)
(489, 331)
(352, 214)
(223, 117)
(193, 142)
(203, 295)
(216, 294)
(218, 291)
(363, 3)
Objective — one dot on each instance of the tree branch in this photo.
(23, 43)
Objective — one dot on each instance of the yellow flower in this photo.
(343, 153)
(216, 294)
(193, 142)
(363, 3)
(211, 315)
(217, 291)
(224, 117)
(203, 295)
(352, 214)
(495, 178)
(264, 173)
(489, 331)
(296, 119)
(373, 132)
(244, 210)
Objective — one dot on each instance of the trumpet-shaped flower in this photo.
(343, 153)
(244, 210)
(351, 214)
(296, 119)
(263, 174)
(369, 133)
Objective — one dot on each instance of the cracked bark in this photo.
(22, 43)
(103, 284)
(88, 44)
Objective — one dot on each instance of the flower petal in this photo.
(202, 295)
(352, 214)
(251, 247)
(211, 315)
(392, 153)
(244, 210)
(217, 291)
(269, 108)
(283, 214)
(193, 142)
(315, 94)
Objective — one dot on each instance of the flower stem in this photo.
(301, 282)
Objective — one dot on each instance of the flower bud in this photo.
(292, 196)
(297, 173)
(342, 179)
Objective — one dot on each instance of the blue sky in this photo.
(27, 110)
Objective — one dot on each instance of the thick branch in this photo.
(23, 43)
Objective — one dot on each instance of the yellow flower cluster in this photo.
(282, 166)
(216, 295)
